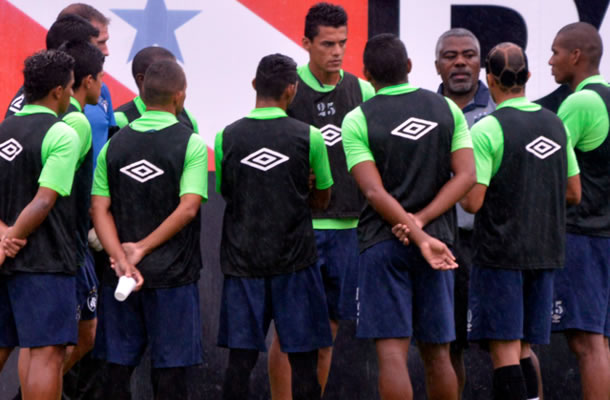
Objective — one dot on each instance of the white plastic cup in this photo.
(124, 288)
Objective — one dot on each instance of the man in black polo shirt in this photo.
(326, 93)
(268, 248)
(38, 157)
(135, 108)
(410, 151)
(523, 158)
(150, 181)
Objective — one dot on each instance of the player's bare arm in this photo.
(464, 178)
(368, 179)
(473, 201)
(319, 198)
(104, 224)
(183, 214)
(574, 190)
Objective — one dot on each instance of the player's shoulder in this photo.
(125, 107)
(582, 100)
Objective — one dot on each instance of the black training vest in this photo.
(16, 104)
(592, 215)
(410, 136)
(267, 228)
(81, 200)
(51, 248)
(521, 224)
(326, 111)
(131, 112)
(144, 171)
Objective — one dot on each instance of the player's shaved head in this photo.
(584, 37)
(507, 63)
(162, 81)
(385, 59)
(274, 74)
(85, 11)
(147, 56)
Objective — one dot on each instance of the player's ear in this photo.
(529, 75)
(306, 43)
(575, 56)
(367, 74)
(254, 84)
(57, 92)
(139, 79)
(409, 66)
(88, 81)
(438, 71)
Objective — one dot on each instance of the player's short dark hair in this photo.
(85, 11)
(583, 36)
(385, 58)
(273, 75)
(88, 60)
(324, 14)
(70, 27)
(507, 63)
(44, 71)
(162, 80)
(147, 56)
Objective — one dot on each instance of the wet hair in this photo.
(44, 71)
(583, 36)
(85, 11)
(70, 27)
(323, 14)
(507, 63)
(385, 58)
(456, 32)
(162, 80)
(88, 60)
(273, 75)
(147, 56)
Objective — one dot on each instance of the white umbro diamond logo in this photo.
(414, 128)
(331, 134)
(542, 147)
(264, 159)
(142, 171)
(10, 149)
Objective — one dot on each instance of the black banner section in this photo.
(384, 17)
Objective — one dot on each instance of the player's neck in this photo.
(80, 96)
(501, 97)
(170, 108)
(581, 76)
(268, 103)
(49, 103)
(325, 77)
(378, 86)
(461, 99)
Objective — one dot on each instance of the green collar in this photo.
(590, 80)
(76, 104)
(394, 90)
(522, 103)
(140, 104)
(310, 79)
(151, 121)
(267, 113)
(30, 109)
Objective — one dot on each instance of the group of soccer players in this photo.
(346, 200)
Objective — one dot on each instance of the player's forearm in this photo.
(183, 214)
(31, 217)
(454, 190)
(319, 199)
(3, 228)
(105, 227)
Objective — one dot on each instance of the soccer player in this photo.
(38, 157)
(268, 249)
(582, 292)
(326, 93)
(135, 108)
(150, 181)
(523, 161)
(410, 152)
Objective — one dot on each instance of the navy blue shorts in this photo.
(37, 310)
(166, 319)
(400, 295)
(509, 304)
(86, 289)
(296, 303)
(338, 261)
(582, 289)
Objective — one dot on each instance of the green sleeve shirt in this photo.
(59, 153)
(318, 156)
(355, 130)
(79, 122)
(194, 178)
(488, 141)
(121, 119)
(585, 115)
